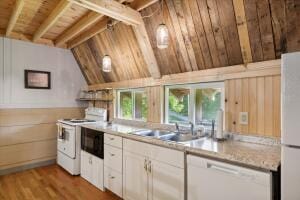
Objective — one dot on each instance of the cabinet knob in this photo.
(112, 154)
(234, 122)
(111, 138)
(149, 166)
(112, 177)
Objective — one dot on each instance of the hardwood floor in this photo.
(50, 182)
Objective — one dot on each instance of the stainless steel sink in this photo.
(152, 133)
(166, 135)
(179, 137)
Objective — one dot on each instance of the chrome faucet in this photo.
(177, 127)
(192, 127)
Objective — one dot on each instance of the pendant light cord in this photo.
(154, 12)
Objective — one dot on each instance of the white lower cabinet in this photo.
(149, 175)
(165, 181)
(135, 177)
(113, 181)
(92, 169)
(113, 169)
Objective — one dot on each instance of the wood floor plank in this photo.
(50, 182)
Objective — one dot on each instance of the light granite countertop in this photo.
(260, 156)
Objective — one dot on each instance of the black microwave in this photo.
(92, 141)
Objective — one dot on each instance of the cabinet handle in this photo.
(112, 177)
(112, 154)
(145, 165)
(111, 138)
(149, 166)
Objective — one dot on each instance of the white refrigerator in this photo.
(290, 115)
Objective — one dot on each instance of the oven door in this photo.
(92, 141)
(66, 140)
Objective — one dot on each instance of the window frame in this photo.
(133, 92)
(192, 98)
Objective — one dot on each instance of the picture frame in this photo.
(35, 79)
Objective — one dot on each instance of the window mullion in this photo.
(133, 104)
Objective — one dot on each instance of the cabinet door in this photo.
(135, 180)
(97, 172)
(84, 165)
(165, 181)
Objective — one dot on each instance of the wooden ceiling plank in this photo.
(101, 26)
(201, 34)
(61, 7)
(112, 9)
(253, 27)
(78, 27)
(14, 17)
(266, 30)
(239, 10)
(178, 34)
(178, 5)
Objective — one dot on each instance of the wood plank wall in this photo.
(29, 135)
(155, 96)
(260, 97)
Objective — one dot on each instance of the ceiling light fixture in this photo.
(106, 60)
(162, 33)
(106, 63)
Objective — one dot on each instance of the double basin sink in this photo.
(167, 135)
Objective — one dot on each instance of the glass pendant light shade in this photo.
(162, 36)
(106, 63)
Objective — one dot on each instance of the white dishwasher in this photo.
(213, 180)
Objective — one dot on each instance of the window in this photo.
(132, 104)
(198, 103)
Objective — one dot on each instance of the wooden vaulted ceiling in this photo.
(203, 33)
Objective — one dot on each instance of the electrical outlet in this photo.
(244, 118)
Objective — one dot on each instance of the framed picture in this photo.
(37, 79)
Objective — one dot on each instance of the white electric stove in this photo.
(69, 138)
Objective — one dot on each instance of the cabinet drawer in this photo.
(166, 155)
(113, 157)
(113, 181)
(113, 140)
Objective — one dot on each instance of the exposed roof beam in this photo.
(81, 25)
(112, 9)
(240, 16)
(97, 28)
(147, 51)
(101, 26)
(15, 14)
(61, 7)
(28, 38)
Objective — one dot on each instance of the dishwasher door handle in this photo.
(226, 170)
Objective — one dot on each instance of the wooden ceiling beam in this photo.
(78, 27)
(81, 25)
(258, 69)
(61, 7)
(112, 9)
(147, 51)
(241, 22)
(28, 38)
(101, 25)
(14, 17)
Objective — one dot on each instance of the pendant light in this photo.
(106, 63)
(106, 60)
(162, 33)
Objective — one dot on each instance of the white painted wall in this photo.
(66, 77)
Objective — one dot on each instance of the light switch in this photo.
(244, 118)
